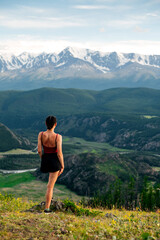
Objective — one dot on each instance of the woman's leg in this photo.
(52, 179)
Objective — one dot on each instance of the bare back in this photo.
(49, 139)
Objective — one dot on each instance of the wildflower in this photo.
(113, 221)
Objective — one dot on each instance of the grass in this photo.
(17, 223)
(78, 145)
(17, 151)
(149, 116)
(110, 167)
(24, 185)
(156, 169)
(36, 190)
(11, 180)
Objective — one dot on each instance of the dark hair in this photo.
(50, 121)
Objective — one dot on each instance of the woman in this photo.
(52, 156)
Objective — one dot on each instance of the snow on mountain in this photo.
(25, 57)
(101, 62)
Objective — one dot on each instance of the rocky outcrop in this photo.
(88, 173)
(138, 134)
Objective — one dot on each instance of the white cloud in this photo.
(122, 23)
(102, 30)
(41, 22)
(32, 45)
(91, 7)
(152, 14)
(136, 46)
(140, 29)
(35, 10)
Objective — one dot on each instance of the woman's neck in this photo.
(50, 130)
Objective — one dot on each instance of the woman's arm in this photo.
(40, 144)
(59, 152)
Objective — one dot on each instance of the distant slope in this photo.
(116, 116)
(69, 101)
(79, 68)
(122, 131)
(10, 141)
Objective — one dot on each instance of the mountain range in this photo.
(79, 68)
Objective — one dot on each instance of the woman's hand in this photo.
(61, 171)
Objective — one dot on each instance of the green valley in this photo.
(107, 135)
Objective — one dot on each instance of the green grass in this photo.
(110, 168)
(78, 145)
(156, 169)
(149, 116)
(17, 151)
(11, 180)
(26, 186)
(16, 222)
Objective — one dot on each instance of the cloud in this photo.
(152, 14)
(26, 17)
(33, 45)
(29, 9)
(91, 7)
(122, 23)
(102, 30)
(140, 30)
(118, 8)
(41, 22)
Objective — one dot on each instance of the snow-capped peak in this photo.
(80, 53)
(101, 61)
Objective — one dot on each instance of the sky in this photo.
(37, 26)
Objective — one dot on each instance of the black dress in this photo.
(50, 161)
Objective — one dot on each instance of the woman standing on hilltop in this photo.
(52, 157)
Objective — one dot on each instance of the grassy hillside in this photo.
(41, 102)
(129, 100)
(11, 180)
(17, 222)
(19, 161)
(9, 140)
(79, 145)
(26, 186)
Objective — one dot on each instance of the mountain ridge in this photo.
(79, 68)
(100, 60)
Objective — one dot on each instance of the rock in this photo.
(56, 205)
(110, 215)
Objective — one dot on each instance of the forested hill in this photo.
(72, 101)
(9, 140)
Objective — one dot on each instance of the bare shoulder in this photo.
(59, 137)
(40, 134)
